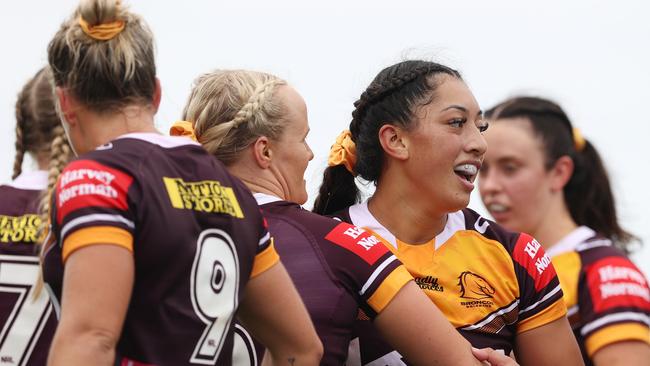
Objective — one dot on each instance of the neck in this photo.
(556, 224)
(409, 218)
(99, 129)
(256, 179)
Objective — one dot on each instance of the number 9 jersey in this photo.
(196, 234)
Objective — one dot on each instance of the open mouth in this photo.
(496, 208)
(466, 172)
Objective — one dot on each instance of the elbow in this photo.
(76, 344)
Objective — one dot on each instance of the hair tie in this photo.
(183, 128)
(104, 31)
(343, 152)
(578, 141)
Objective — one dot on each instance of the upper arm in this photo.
(419, 331)
(627, 353)
(532, 346)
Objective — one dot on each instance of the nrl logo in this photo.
(475, 287)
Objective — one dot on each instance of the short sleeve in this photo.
(540, 299)
(266, 255)
(92, 207)
(614, 303)
(367, 266)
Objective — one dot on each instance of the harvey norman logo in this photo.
(203, 196)
(358, 241)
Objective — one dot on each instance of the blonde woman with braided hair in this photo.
(153, 245)
(257, 125)
(27, 317)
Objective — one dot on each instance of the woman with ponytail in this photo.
(542, 176)
(153, 245)
(416, 132)
(28, 319)
(257, 125)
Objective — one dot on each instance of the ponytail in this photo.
(337, 192)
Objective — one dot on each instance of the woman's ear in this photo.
(157, 95)
(394, 142)
(262, 152)
(561, 172)
(66, 105)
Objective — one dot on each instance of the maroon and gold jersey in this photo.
(607, 297)
(337, 269)
(490, 283)
(196, 234)
(27, 322)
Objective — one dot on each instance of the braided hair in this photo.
(392, 97)
(231, 108)
(36, 118)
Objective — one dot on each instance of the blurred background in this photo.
(593, 57)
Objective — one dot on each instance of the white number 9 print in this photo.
(215, 292)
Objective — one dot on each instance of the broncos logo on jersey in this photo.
(475, 287)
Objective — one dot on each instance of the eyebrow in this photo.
(461, 108)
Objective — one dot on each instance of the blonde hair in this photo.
(231, 108)
(36, 118)
(104, 75)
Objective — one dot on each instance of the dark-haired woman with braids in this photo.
(153, 245)
(26, 315)
(541, 176)
(416, 133)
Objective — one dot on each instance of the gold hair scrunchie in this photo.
(104, 31)
(578, 141)
(343, 152)
(183, 128)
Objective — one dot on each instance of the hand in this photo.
(491, 357)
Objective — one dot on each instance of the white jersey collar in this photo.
(571, 241)
(263, 198)
(32, 180)
(361, 216)
(158, 139)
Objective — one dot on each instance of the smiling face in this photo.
(446, 146)
(514, 183)
(290, 152)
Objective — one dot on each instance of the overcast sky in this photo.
(592, 57)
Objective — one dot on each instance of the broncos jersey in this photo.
(337, 269)
(491, 284)
(195, 232)
(607, 297)
(27, 322)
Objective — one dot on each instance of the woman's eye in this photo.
(483, 127)
(458, 122)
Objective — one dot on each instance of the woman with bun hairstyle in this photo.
(257, 125)
(416, 133)
(28, 320)
(542, 176)
(154, 247)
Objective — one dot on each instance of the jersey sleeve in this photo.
(266, 255)
(614, 303)
(92, 207)
(540, 294)
(369, 268)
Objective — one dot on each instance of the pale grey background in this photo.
(591, 56)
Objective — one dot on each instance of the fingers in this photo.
(494, 358)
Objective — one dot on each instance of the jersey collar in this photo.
(32, 180)
(571, 241)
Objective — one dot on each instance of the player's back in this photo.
(27, 323)
(195, 234)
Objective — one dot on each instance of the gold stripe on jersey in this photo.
(551, 313)
(16, 229)
(96, 235)
(616, 333)
(265, 260)
(389, 287)
(475, 283)
(567, 265)
(203, 196)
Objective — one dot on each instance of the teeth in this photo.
(496, 207)
(467, 169)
